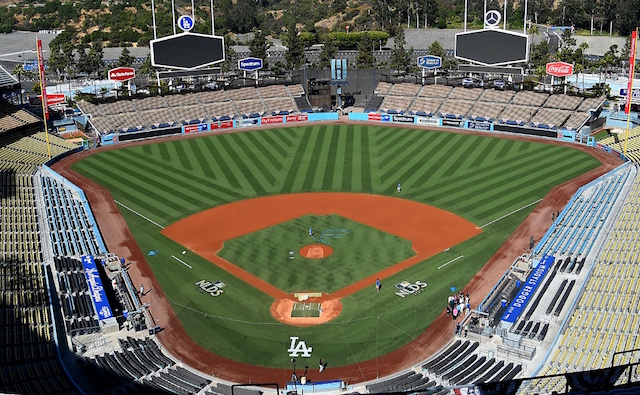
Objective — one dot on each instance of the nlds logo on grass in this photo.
(406, 288)
(212, 288)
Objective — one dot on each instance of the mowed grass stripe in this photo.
(412, 146)
(164, 152)
(388, 140)
(393, 156)
(184, 152)
(436, 146)
(517, 195)
(154, 182)
(356, 169)
(201, 159)
(330, 159)
(239, 166)
(270, 151)
(471, 146)
(221, 163)
(182, 178)
(256, 159)
(278, 143)
(417, 164)
(307, 160)
(324, 160)
(441, 157)
(315, 165)
(347, 169)
(292, 174)
(340, 154)
(479, 175)
(486, 192)
(483, 155)
(365, 168)
(133, 197)
(451, 157)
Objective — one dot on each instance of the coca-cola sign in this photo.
(559, 69)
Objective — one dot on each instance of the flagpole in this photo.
(632, 62)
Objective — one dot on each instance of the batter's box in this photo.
(307, 309)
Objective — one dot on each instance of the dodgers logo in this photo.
(299, 349)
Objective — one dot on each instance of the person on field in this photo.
(399, 188)
(321, 366)
(378, 285)
(311, 232)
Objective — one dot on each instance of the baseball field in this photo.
(313, 212)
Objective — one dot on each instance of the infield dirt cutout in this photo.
(315, 251)
(431, 230)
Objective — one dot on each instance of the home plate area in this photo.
(306, 309)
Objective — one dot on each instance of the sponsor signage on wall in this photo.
(54, 98)
(221, 125)
(428, 121)
(250, 64)
(429, 62)
(122, 74)
(272, 120)
(451, 122)
(297, 118)
(559, 69)
(196, 128)
(527, 290)
(478, 125)
(247, 122)
(623, 92)
(404, 118)
(373, 116)
(96, 290)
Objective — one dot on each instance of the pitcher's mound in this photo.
(316, 251)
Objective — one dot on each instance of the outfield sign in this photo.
(528, 289)
(299, 348)
(297, 118)
(406, 288)
(221, 125)
(201, 127)
(429, 62)
(374, 116)
(122, 74)
(54, 98)
(96, 290)
(247, 122)
(479, 125)
(213, 288)
(428, 121)
(272, 120)
(559, 69)
(403, 118)
(451, 122)
(250, 64)
(623, 92)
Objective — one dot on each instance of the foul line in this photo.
(140, 215)
(451, 261)
(181, 261)
(513, 212)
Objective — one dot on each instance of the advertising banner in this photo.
(122, 74)
(247, 122)
(527, 290)
(404, 118)
(428, 121)
(96, 290)
(195, 128)
(559, 69)
(373, 116)
(272, 120)
(451, 122)
(479, 125)
(221, 125)
(297, 118)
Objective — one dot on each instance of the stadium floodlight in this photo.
(185, 50)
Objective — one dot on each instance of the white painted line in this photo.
(451, 261)
(513, 212)
(181, 261)
(139, 215)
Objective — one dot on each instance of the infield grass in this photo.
(478, 177)
(358, 251)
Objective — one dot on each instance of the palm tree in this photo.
(19, 71)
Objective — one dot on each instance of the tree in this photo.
(19, 71)
(329, 51)
(230, 57)
(83, 65)
(96, 56)
(258, 46)
(364, 58)
(125, 59)
(400, 57)
(295, 48)
(56, 61)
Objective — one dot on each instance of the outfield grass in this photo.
(360, 251)
(480, 178)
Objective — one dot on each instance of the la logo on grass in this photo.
(301, 347)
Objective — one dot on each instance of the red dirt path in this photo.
(120, 241)
(315, 251)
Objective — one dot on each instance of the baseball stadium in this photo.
(443, 239)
